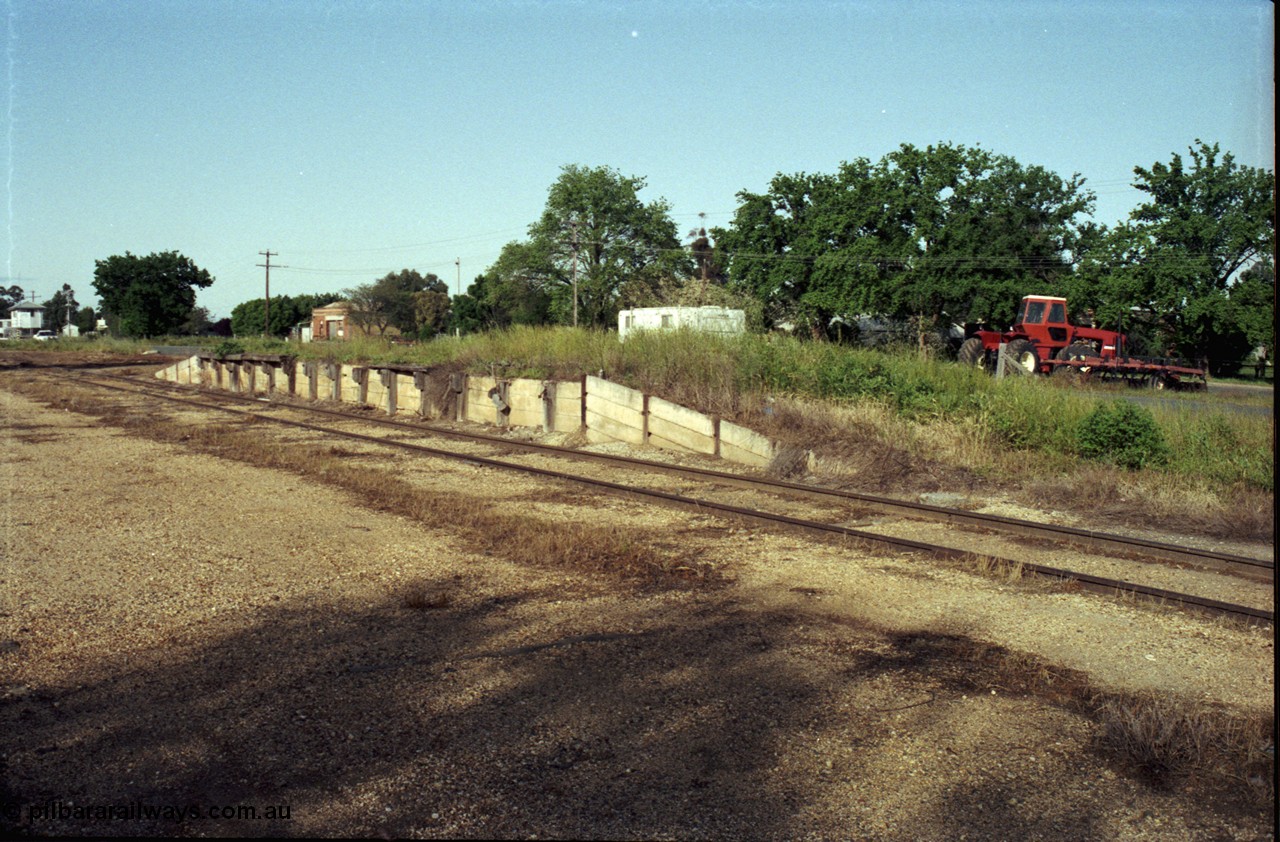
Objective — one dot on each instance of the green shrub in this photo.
(228, 348)
(1124, 433)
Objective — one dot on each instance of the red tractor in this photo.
(1044, 342)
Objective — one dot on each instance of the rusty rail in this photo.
(815, 528)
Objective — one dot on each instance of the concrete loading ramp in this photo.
(603, 410)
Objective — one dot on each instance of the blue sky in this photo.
(358, 138)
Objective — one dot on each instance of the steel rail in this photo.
(824, 530)
(1243, 566)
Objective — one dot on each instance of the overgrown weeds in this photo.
(925, 423)
(1163, 739)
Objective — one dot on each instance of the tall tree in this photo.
(431, 308)
(1181, 257)
(945, 231)
(9, 296)
(60, 310)
(148, 296)
(503, 296)
(594, 236)
(389, 301)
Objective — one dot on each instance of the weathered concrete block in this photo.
(683, 427)
(479, 407)
(744, 446)
(567, 398)
(408, 396)
(350, 389)
(614, 411)
(663, 433)
(375, 393)
(324, 383)
(602, 427)
(604, 390)
(524, 398)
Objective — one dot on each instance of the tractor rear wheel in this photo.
(973, 353)
(1077, 351)
(1020, 358)
(1074, 352)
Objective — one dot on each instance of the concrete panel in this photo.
(617, 414)
(302, 383)
(324, 390)
(282, 378)
(350, 388)
(261, 378)
(683, 437)
(524, 397)
(408, 396)
(604, 390)
(480, 408)
(667, 444)
(612, 428)
(568, 415)
(670, 413)
(376, 395)
(744, 446)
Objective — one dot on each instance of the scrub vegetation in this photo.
(894, 419)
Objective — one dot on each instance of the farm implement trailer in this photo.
(1043, 341)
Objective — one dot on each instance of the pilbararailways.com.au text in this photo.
(59, 810)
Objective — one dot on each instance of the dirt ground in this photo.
(195, 646)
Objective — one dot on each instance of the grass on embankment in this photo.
(892, 420)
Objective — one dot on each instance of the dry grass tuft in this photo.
(1167, 738)
(1164, 739)
(420, 596)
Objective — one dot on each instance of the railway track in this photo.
(1257, 570)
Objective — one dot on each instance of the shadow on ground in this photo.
(679, 715)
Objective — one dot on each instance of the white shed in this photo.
(719, 320)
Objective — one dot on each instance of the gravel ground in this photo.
(183, 631)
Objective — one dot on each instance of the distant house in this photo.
(25, 318)
(333, 322)
(720, 320)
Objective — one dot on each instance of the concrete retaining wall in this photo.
(604, 410)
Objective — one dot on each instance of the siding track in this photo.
(1257, 570)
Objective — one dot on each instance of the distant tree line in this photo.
(927, 237)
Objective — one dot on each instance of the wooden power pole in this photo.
(266, 310)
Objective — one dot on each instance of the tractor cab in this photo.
(1043, 319)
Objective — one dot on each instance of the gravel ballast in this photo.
(183, 631)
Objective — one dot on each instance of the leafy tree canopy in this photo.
(1184, 258)
(286, 311)
(596, 235)
(60, 310)
(398, 299)
(945, 231)
(148, 296)
(9, 296)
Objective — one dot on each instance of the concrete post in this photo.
(361, 376)
(422, 383)
(389, 381)
(335, 373)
